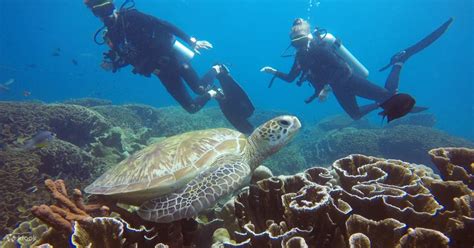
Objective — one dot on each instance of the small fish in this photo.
(21, 209)
(56, 52)
(397, 106)
(32, 66)
(9, 81)
(32, 189)
(40, 140)
(74, 62)
(26, 93)
(5, 86)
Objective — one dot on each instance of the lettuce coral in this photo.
(361, 201)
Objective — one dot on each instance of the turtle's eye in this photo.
(284, 122)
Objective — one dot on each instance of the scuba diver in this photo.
(323, 61)
(149, 44)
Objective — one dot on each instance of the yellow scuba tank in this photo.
(183, 53)
(345, 54)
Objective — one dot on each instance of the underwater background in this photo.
(247, 35)
(51, 80)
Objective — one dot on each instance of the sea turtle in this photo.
(182, 175)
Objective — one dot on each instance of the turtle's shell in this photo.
(165, 166)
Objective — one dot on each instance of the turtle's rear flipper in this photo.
(420, 45)
(229, 173)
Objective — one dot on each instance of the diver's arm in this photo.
(191, 41)
(176, 31)
(112, 61)
(292, 75)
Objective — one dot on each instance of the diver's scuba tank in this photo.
(342, 51)
(183, 53)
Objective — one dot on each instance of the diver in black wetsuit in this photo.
(149, 45)
(318, 63)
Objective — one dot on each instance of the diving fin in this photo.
(236, 105)
(425, 42)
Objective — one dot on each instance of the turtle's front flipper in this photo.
(228, 174)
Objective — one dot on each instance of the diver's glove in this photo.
(269, 70)
(112, 61)
(107, 65)
(323, 95)
(200, 44)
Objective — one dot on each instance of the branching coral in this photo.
(361, 202)
(66, 210)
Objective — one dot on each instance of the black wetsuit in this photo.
(320, 65)
(146, 42)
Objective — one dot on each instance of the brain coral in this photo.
(361, 201)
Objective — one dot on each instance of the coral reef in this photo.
(288, 160)
(25, 235)
(88, 102)
(22, 172)
(423, 119)
(88, 141)
(339, 143)
(73, 123)
(411, 143)
(66, 210)
(455, 164)
(93, 226)
(18, 173)
(406, 142)
(361, 201)
(92, 135)
(63, 159)
(162, 122)
(342, 121)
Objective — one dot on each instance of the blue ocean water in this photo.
(247, 35)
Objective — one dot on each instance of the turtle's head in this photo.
(272, 135)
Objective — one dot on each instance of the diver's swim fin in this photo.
(236, 105)
(425, 42)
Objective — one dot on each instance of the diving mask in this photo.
(302, 40)
(100, 8)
